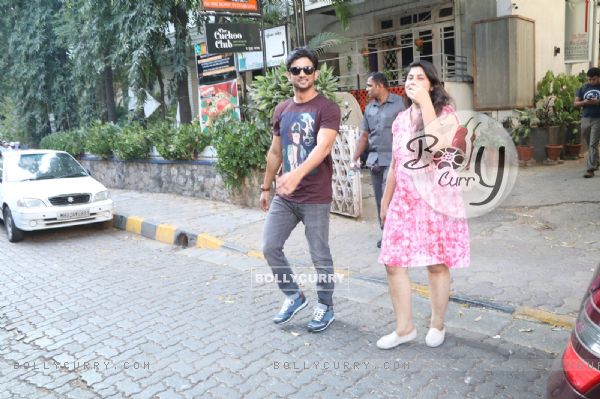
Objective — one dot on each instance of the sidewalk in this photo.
(532, 257)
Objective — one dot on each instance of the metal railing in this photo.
(355, 69)
(454, 68)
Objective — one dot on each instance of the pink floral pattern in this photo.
(415, 233)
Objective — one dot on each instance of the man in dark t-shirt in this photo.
(304, 131)
(588, 98)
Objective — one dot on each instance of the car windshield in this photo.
(43, 166)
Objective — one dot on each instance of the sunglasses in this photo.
(308, 70)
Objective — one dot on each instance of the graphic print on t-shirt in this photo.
(297, 138)
(592, 95)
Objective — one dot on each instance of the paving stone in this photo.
(223, 391)
(60, 381)
(150, 391)
(169, 394)
(128, 387)
(178, 383)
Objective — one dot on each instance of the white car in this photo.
(45, 189)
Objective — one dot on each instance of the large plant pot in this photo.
(553, 151)
(525, 152)
(539, 137)
(573, 150)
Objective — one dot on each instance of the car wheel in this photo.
(13, 233)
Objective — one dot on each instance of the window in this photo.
(422, 32)
(448, 40)
(387, 24)
(407, 20)
(406, 49)
(423, 16)
(445, 13)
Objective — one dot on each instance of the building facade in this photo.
(476, 45)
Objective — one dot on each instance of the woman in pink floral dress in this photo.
(424, 223)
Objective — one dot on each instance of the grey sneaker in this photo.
(322, 318)
(289, 309)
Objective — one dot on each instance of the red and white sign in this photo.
(249, 6)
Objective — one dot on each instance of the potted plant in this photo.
(419, 44)
(573, 146)
(558, 117)
(521, 133)
(568, 115)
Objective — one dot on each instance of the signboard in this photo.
(578, 30)
(276, 51)
(314, 4)
(213, 68)
(249, 61)
(150, 105)
(218, 99)
(244, 6)
(232, 38)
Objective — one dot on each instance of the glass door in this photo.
(406, 53)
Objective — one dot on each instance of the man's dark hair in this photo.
(379, 78)
(302, 52)
(592, 72)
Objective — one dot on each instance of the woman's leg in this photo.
(439, 287)
(399, 286)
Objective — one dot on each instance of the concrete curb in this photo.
(170, 234)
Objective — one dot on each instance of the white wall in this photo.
(549, 17)
(461, 93)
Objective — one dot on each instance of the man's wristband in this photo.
(264, 188)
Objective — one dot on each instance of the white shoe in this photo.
(435, 337)
(392, 340)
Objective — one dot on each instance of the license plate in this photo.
(81, 213)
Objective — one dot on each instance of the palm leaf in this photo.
(342, 11)
(324, 41)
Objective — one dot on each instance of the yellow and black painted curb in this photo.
(170, 234)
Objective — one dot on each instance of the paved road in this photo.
(95, 314)
(537, 250)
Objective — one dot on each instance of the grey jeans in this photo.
(282, 218)
(590, 130)
(378, 178)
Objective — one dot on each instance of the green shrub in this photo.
(183, 142)
(241, 147)
(554, 98)
(131, 142)
(71, 141)
(99, 139)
